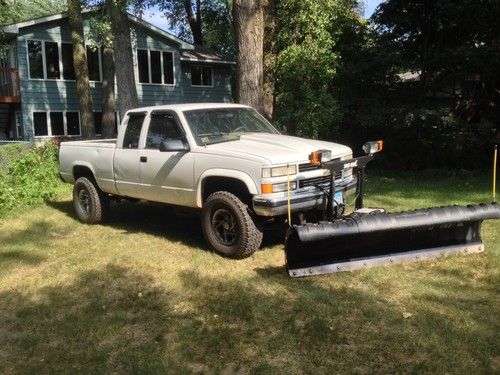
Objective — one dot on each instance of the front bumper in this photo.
(265, 205)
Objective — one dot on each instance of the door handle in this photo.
(144, 159)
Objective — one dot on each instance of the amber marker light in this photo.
(266, 188)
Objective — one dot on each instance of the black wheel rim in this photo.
(84, 200)
(224, 226)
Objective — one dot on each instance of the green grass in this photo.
(141, 294)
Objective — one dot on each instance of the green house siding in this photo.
(46, 95)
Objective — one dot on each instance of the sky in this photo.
(154, 16)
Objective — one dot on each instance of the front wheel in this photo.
(89, 201)
(228, 227)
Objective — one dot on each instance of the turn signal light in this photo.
(266, 188)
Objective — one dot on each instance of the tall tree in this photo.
(81, 69)
(122, 47)
(101, 36)
(270, 14)
(248, 18)
(108, 88)
(203, 22)
(194, 19)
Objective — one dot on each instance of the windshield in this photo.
(218, 125)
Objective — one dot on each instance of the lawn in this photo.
(141, 294)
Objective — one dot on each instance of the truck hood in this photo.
(276, 148)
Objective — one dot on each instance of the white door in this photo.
(166, 176)
(127, 158)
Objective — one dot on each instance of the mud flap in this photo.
(378, 238)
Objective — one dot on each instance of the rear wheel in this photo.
(89, 201)
(228, 227)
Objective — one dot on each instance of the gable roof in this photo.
(14, 28)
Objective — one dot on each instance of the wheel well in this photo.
(237, 187)
(81, 171)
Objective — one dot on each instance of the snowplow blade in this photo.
(366, 240)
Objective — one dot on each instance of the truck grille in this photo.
(318, 180)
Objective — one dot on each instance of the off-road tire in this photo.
(89, 201)
(248, 237)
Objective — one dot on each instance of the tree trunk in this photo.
(124, 62)
(248, 16)
(108, 91)
(194, 21)
(81, 69)
(269, 57)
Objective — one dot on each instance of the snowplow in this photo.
(371, 236)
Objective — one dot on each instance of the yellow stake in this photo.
(495, 173)
(288, 189)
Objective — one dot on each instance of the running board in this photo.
(384, 260)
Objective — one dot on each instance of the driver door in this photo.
(166, 176)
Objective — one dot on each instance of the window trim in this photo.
(149, 67)
(49, 125)
(201, 66)
(44, 62)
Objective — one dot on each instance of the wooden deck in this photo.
(9, 85)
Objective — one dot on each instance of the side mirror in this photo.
(173, 145)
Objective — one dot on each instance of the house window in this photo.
(201, 75)
(168, 68)
(35, 59)
(93, 63)
(155, 67)
(67, 61)
(56, 123)
(52, 60)
(46, 59)
(40, 123)
(72, 123)
(143, 65)
(51, 124)
(98, 122)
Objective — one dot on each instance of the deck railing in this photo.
(9, 85)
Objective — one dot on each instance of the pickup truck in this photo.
(225, 160)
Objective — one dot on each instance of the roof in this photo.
(188, 51)
(205, 55)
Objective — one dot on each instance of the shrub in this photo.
(31, 178)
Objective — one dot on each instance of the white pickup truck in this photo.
(224, 159)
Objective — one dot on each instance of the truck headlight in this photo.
(277, 188)
(279, 171)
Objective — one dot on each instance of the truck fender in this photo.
(230, 173)
(83, 164)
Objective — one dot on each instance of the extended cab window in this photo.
(133, 131)
(161, 127)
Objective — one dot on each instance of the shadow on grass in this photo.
(160, 221)
(116, 320)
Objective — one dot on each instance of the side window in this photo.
(161, 127)
(133, 131)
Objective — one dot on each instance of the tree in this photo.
(248, 18)
(203, 22)
(100, 33)
(453, 44)
(81, 69)
(122, 47)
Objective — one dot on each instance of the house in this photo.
(38, 96)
